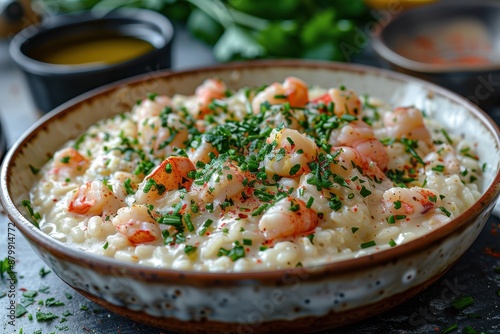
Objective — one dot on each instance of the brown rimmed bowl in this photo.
(301, 299)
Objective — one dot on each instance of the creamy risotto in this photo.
(272, 177)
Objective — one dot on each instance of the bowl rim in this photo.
(386, 52)
(345, 266)
(82, 18)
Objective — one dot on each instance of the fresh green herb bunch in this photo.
(250, 29)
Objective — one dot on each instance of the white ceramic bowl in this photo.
(321, 297)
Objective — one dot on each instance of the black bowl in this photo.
(52, 84)
(455, 44)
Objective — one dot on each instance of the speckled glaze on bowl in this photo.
(315, 298)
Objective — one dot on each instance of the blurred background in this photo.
(236, 29)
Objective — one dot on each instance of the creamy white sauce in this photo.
(320, 187)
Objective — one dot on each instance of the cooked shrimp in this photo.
(287, 218)
(151, 107)
(202, 152)
(163, 134)
(226, 182)
(137, 225)
(292, 153)
(360, 136)
(406, 123)
(348, 158)
(171, 174)
(444, 156)
(68, 163)
(94, 198)
(293, 91)
(208, 91)
(345, 101)
(296, 91)
(410, 201)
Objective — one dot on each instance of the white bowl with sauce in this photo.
(68, 55)
(454, 44)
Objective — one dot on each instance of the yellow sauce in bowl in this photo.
(106, 49)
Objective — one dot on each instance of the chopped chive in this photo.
(368, 244)
(295, 168)
(410, 148)
(445, 134)
(105, 246)
(449, 329)
(388, 141)
(188, 222)
(27, 205)
(294, 206)
(210, 207)
(20, 310)
(340, 180)
(392, 243)
(168, 168)
(365, 192)
(43, 272)
(190, 249)
(194, 208)
(354, 229)
(223, 251)
(247, 242)
(262, 248)
(438, 168)
(397, 205)
(170, 220)
(348, 118)
(206, 225)
(128, 187)
(462, 302)
(310, 202)
(446, 212)
(260, 210)
(469, 330)
(391, 219)
(34, 170)
(41, 316)
(53, 302)
(400, 217)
